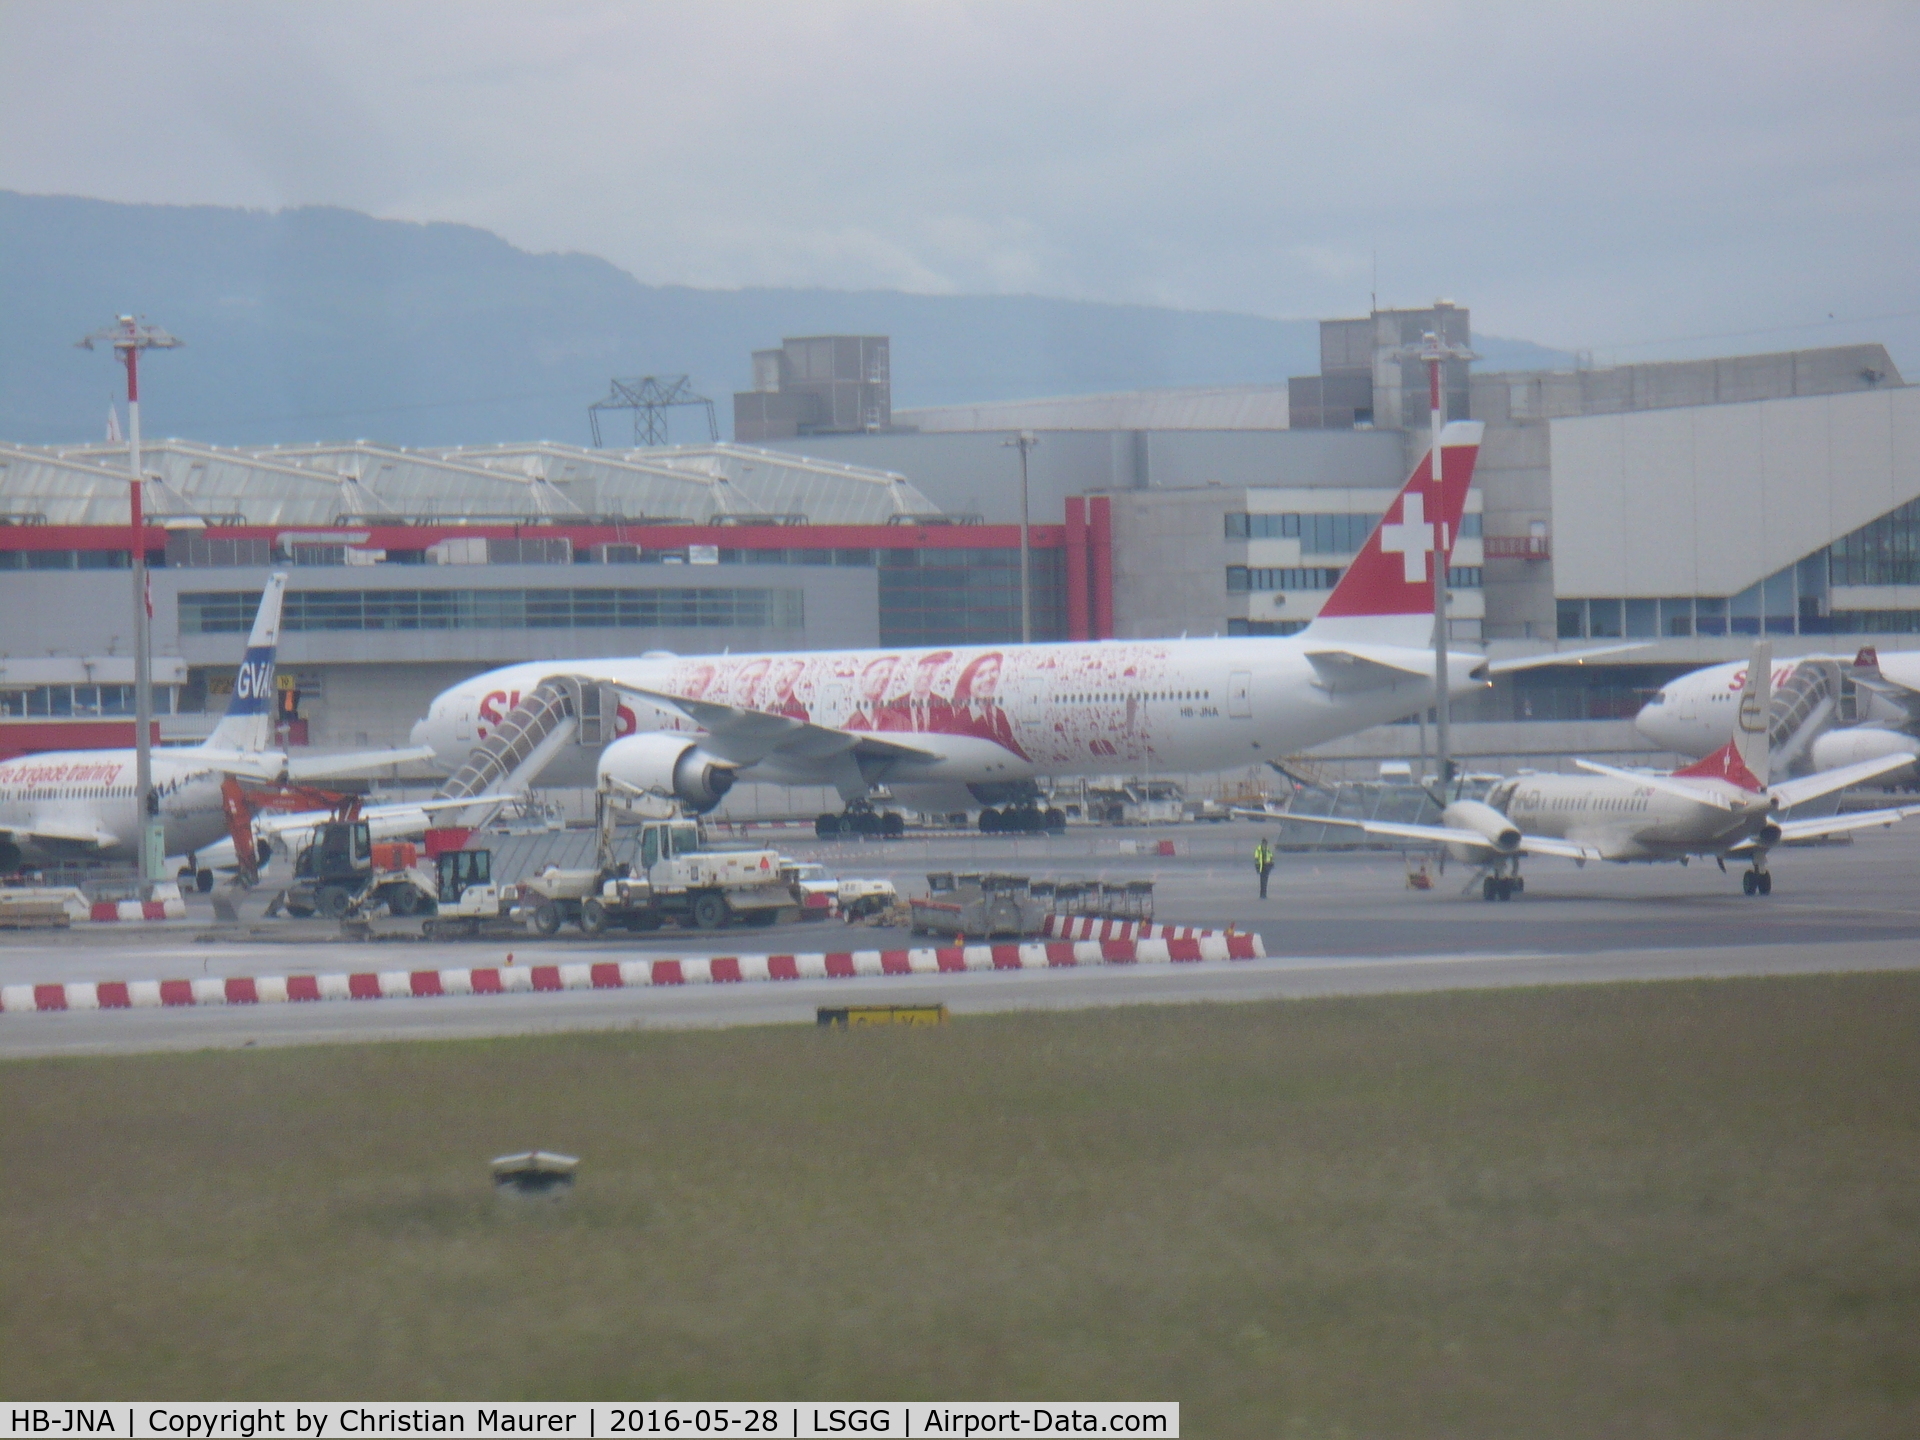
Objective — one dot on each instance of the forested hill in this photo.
(325, 323)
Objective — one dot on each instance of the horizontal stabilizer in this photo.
(1560, 657)
(1665, 783)
(363, 762)
(1348, 669)
(1789, 793)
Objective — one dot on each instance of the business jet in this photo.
(80, 804)
(1694, 713)
(1722, 807)
(947, 727)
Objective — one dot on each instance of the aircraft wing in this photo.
(1792, 792)
(1825, 825)
(1560, 657)
(1699, 794)
(1447, 835)
(319, 767)
(270, 823)
(74, 830)
(746, 737)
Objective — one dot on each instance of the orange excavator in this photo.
(244, 799)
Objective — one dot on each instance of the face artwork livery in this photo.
(952, 720)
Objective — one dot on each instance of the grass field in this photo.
(1685, 1209)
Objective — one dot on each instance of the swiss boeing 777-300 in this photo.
(953, 726)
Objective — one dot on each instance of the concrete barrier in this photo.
(1187, 947)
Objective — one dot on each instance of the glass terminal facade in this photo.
(1795, 600)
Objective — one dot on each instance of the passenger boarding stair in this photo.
(1803, 705)
(560, 710)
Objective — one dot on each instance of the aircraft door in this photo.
(1240, 695)
(463, 720)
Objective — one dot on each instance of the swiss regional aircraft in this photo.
(1694, 714)
(1722, 807)
(949, 727)
(80, 804)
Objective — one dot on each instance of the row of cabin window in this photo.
(70, 792)
(1099, 699)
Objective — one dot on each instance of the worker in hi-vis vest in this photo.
(1263, 863)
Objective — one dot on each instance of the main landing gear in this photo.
(1022, 820)
(1502, 882)
(1756, 881)
(863, 820)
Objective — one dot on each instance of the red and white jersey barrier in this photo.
(168, 907)
(47, 900)
(1096, 927)
(622, 974)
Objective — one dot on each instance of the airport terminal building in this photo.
(1688, 506)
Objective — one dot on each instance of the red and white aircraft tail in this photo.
(1386, 596)
(1746, 760)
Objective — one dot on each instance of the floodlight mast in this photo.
(128, 337)
(1026, 441)
(1436, 352)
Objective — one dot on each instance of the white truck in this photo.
(664, 871)
(824, 894)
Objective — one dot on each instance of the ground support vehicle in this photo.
(823, 894)
(1102, 899)
(980, 906)
(343, 875)
(664, 871)
(466, 900)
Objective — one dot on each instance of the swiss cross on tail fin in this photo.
(1386, 595)
(1723, 764)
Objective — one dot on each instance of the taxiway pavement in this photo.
(1334, 923)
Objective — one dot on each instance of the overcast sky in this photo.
(1616, 177)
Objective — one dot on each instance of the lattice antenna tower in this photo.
(649, 398)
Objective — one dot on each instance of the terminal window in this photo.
(967, 596)
(680, 607)
(1336, 534)
(1260, 579)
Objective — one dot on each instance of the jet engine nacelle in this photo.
(669, 765)
(1482, 819)
(1862, 742)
